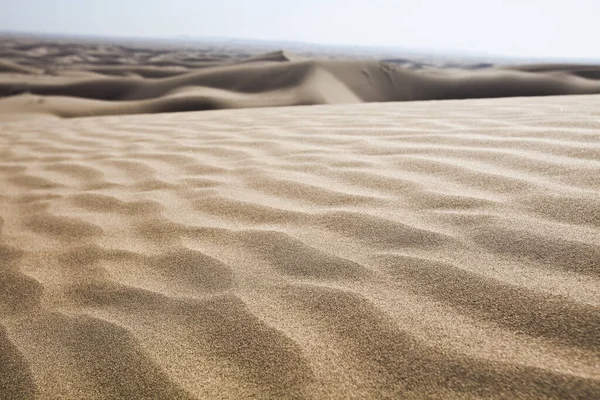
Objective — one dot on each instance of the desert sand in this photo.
(426, 249)
(66, 79)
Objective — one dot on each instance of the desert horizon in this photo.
(208, 220)
(91, 78)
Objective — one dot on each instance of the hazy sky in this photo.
(551, 28)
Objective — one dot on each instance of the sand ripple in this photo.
(413, 250)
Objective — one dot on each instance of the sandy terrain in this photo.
(438, 249)
(77, 79)
(401, 250)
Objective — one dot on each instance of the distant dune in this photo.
(68, 80)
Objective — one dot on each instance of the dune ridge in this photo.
(258, 83)
(444, 249)
(70, 80)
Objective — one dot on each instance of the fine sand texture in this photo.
(85, 79)
(441, 249)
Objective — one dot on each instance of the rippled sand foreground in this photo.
(406, 250)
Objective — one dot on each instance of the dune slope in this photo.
(70, 80)
(444, 249)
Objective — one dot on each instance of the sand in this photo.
(78, 79)
(442, 249)
(369, 245)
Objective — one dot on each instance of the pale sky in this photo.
(529, 28)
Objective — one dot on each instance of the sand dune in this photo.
(259, 83)
(86, 79)
(275, 84)
(444, 249)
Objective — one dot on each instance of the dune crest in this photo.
(69, 80)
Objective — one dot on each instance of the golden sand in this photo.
(400, 250)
